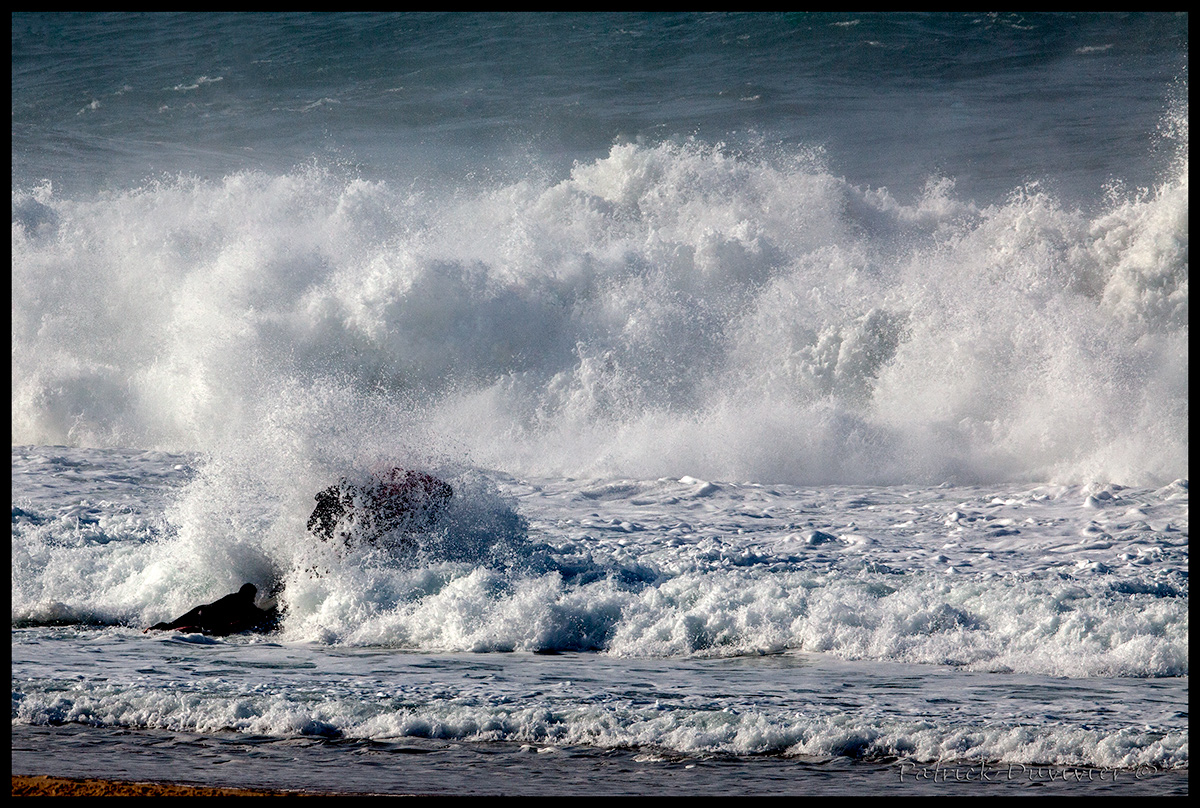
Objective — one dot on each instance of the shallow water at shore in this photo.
(451, 768)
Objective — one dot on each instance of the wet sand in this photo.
(41, 786)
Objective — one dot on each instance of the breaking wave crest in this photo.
(676, 308)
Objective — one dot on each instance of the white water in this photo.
(1044, 625)
(667, 310)
(1055, 580)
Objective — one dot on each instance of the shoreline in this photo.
(49, 786)
(94, 761)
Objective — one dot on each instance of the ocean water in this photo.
(814, 389)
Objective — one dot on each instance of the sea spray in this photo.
(672, 308)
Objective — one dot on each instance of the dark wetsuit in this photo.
(231, 614)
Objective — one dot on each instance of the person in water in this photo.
(407, 502)
(231, 614)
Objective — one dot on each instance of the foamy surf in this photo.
(1059, 581)
(664, 310)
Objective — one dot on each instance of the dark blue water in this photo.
(991, 100)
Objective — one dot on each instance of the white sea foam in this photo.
(666, 310)
(849, 711)
(1063, 581)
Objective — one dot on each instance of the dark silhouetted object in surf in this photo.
(398, 502)
(232, 614)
